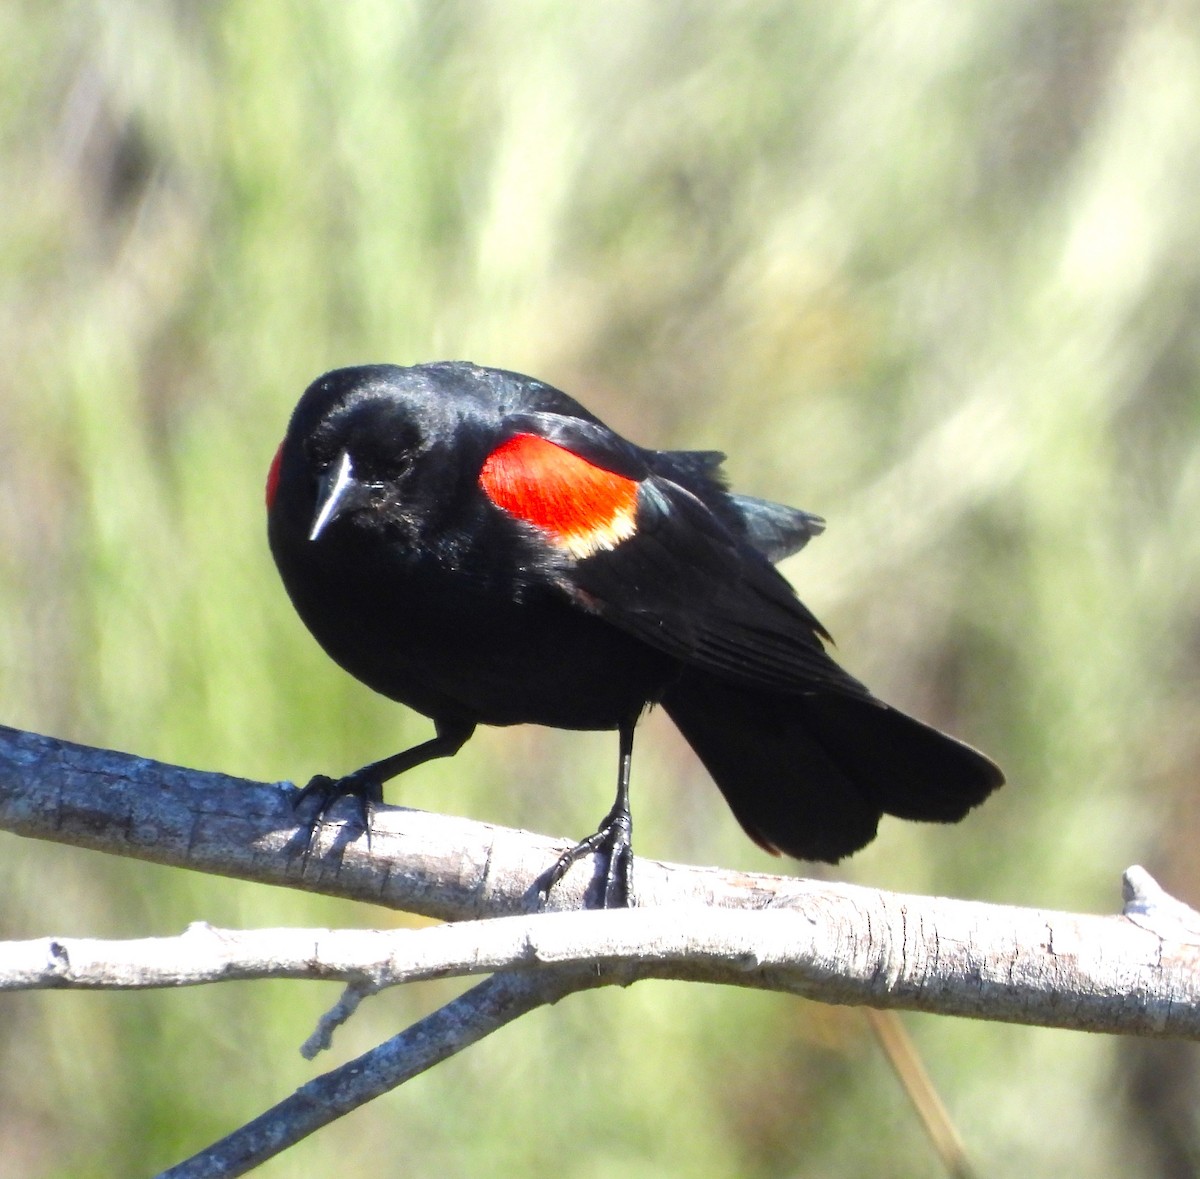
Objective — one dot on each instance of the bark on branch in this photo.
(951, 957)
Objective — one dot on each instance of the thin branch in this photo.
(464, 1021)
(833, 943)
(914, 1079)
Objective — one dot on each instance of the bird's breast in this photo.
(459, 635)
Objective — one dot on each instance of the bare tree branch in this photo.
(832, 943)
(836, 942)
(459, 1024)
(434, 865)
(1135, 973)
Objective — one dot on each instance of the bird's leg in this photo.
(615, 834)
(366, 784)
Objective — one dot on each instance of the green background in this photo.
(929, 269)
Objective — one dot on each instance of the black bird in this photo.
(475, 544)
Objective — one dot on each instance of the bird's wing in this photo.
(682, 582)
(652, 558)
(774, 529)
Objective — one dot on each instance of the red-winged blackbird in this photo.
(474, 544)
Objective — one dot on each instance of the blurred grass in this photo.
(930, 270)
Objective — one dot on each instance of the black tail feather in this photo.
(810, 775)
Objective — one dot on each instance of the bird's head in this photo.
(364, 444)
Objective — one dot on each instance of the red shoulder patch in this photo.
(273, 477)
(583, 508)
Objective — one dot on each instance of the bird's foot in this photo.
(614, 837)
(365, 789)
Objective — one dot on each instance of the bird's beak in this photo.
(337, 493)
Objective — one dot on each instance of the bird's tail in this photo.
(810, 775)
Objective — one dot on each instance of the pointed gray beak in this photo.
(337, 493)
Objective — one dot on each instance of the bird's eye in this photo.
(381, 471)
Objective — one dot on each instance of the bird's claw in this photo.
(614, 837)
(367, 793)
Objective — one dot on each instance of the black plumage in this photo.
(475, 544)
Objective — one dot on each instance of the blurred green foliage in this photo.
(930, 269)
